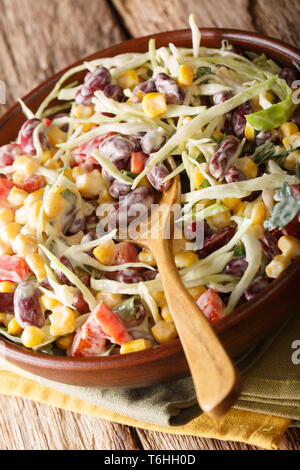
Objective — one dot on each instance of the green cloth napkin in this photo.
(271, 385)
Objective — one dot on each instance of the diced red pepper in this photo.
(14, 269)
(125, 253)
(47, 122)
(89, 340)
(33, 183)
(211, 305)
(113, 327)
(5, 187)
(138, 162)
(83, 152)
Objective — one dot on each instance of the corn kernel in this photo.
(56, 136)
(184, 259)
(110, 300)
(288, 128)
(136, 345)
(14, 328)
(49, 303)
(278, 264)
(54, 204)
(62, 321)
(160, 298)
(34, 197)
(197, 291)
(105, 197)
(291, 160)
(37, 265)
(220, 220)
(292, 141)
(78, 171)
(198, 178)
(166, 314)
(17, 196)
(2, 318)
(164, 332)
(5, 248)
(9, 233)
(7, 216)
(231, 202)
(18, 178)
(155, 104)
(289, 246)
(83, 112)
(8, 287)
(68, 173)
(53, 164)
(105, 252)
(185, 76)
(32, 336)
(90, 185)
(249, 132)
(248, 166)
(258, 213)
(34, 214)
(240, 209)
(64, 342)
(24, 245)
(47, 154)
(26, 164)
(128, 79)
(146, 257)
(258, 231)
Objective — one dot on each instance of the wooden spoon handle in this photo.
(216, 380)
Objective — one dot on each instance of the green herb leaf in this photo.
(239, 249)
(202, 71)
(69, 196)
(126, 310)
(286, 209)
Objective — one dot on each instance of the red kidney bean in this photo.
(296, 116)
(27, 307)
(91, 219)
(167, 85)
(266, 136)
(233, 174)
(289, 74)
(149, 275)
(26, 136)
(136, 204)
(269, 245)
(125, 253)
(116, 148)
(254, 195)
(237, 266)
(131, 317)
(221, 97)
(239, 120)
(118, 189)
(129, 276)
(257, 285)
(146, 87)
(80, 304)
(93, 82)
(152, 141)
(156, 176)
(221, 158)
(295, 190)
(89, 237)
(7, 302)
(293, 228)
(216, 240)
(115, 92)
(120, 165)
(136, 141)
(195, 229)
(61, 276)
(8, 154)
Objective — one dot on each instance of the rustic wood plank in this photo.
(40, 38)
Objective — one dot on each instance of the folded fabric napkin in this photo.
(269, 403)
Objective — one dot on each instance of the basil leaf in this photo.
(126, 310)
(202, 71)
(239, 249)
(286, 209)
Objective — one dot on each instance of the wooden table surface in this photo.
(38, 38)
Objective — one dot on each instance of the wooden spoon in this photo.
(216, 380)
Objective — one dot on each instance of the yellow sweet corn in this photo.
(34, 197)
(105, 252)
(78, 171)
(7, 216)
(32, 336)
(292, 141)
(291, 160)
(2, 318)
(9, 233)
(289, 246)
(288, 128)
(184, 259)
(24, 245)
(160, 298)
(164, 332)
(62, 321)
(14, 328)
(218, 134)
(68, 173)
(17, 196)
(259, 213)
(37, 265)
(33, 214)
(54, 204)
(90, 185)
(220, 220)
(185, 76)
(198, 178)
(18, 178)
(49, 303)
(64, 342)
(128, 79)
(155, 104)
(278, 264)
(197, 291)
(7, 287)
(231, 202)
(105, 197)
(249, 132)
(83, 112)
(5, 248)
(56, 136)
(248, 166)
(26, 165)
(166, 314)
(53, 164)
(110, 300)
(240, 209)
(146, 257)
(136, 345)
(47, 155)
